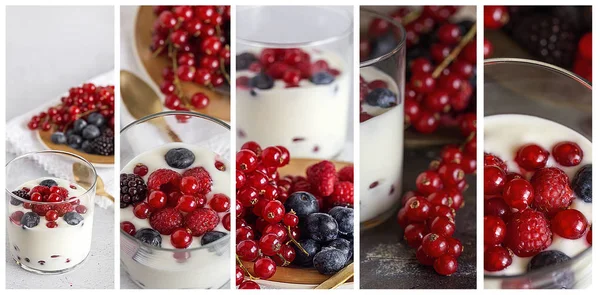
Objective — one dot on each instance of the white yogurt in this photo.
(503, 136)
(55, 249)
(381, 152)
(196, 267)
(309, 120)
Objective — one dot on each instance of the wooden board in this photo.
(219, 105)
(94, 159)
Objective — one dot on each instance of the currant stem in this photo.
(294, 241)
(244, 268)
(410, 17)
(455, 52)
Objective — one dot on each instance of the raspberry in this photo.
(343, 194)
(491, 160)
(552, 192)
(346, 174)
(528, 233)
(204, 179)
(162, 177)
(43, 190)
(166, 220)
(201, 221)
(41, 209)
(63, 208)
(322, 177)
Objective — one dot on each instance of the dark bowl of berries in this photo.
(298, 213)
(186, 51)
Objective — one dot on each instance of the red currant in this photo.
(493, 180)
(414, 233)
(157, 199)
(443, 226)
(128, 227)
(219, 203)
(569, 224)
(264, 268)
(429, 182)
(567, 153)
(269, 244)
(273, 212)
(494, 230)
(418, 209)
(532, 157)
(434, 245)
(181, 238)
(187, 203)
(496, 258)
(518, 194)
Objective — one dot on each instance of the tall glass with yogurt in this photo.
(37, 241)
(382, 123)
(293, 78)
(165, 267)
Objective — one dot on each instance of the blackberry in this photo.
(133, 189)
(103, 145)
(108, 132)
(20, 193)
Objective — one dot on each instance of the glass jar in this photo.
(147, 140)
(47, 243)
(382, 122)
(294, 78)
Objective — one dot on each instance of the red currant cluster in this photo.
(521, 215)
(80, 102)
(196, 40)
(438, 90)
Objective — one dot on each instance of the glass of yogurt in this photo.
(163, 247)
(50, 211)
(293, 78)
(381, 123)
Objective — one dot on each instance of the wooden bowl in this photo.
(97, 160)
(219, 100)
(293, 274)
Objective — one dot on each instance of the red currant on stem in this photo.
(434, 245)
(264, 268)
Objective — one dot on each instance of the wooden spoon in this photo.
(82, 173)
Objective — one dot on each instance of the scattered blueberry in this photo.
(582, 183)
(96, 119)
(384, 44)
(321, 227)
(262, 81)
(90, 132)
(329, 261)
(48, 183)
(180, 158)
(345, 219)
(149, 236)
(344, 246)
(381, 97)
(87, 147)
(58, 138)
(74, 141)
(73, 218)
(78, 125)
(312, 247)
(302, 203)
(322, 78)
(562, 278)
(244, 60)
(30, 220)
(211, 236)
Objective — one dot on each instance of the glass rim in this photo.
(401, 44)
(69, 200)
(345, 33)
(540, 64)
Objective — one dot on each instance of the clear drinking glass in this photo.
(527, 87)
(35, 243)
(382, 134)
(294, 73)
(197, 267)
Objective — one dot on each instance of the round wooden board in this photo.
(97, 160)
(219, 105)
(292, 274)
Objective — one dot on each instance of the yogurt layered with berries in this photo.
(294, 98)
(381, 143)
(53, 233)
(538, 207)
(175, 218)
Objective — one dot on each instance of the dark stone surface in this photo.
(387, 262)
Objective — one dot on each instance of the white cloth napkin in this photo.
(20, 140)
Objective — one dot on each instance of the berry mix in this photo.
(196, 41)
(178, 202)
(84, 120)
(441, 57)
(305, 221)
(526, 211)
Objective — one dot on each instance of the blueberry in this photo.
(381, 97)
(262, 81)
(322, 78)
(78, 125)
(48, 183)
(87, 147)
(345, 219)
(90, 132)
(311, 247)
(211, 236)
(582, 183)
(329, 261)
(244, 60)
(58, 138)
(30, 219)
(384, 44)
(149, 236)
(96, 119)
(321, 227)
(302, 203)
(74, 141)
(562, 278)
(73, 218)
(344, 246)
(180, 158)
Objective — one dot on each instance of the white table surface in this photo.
(71, 45)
